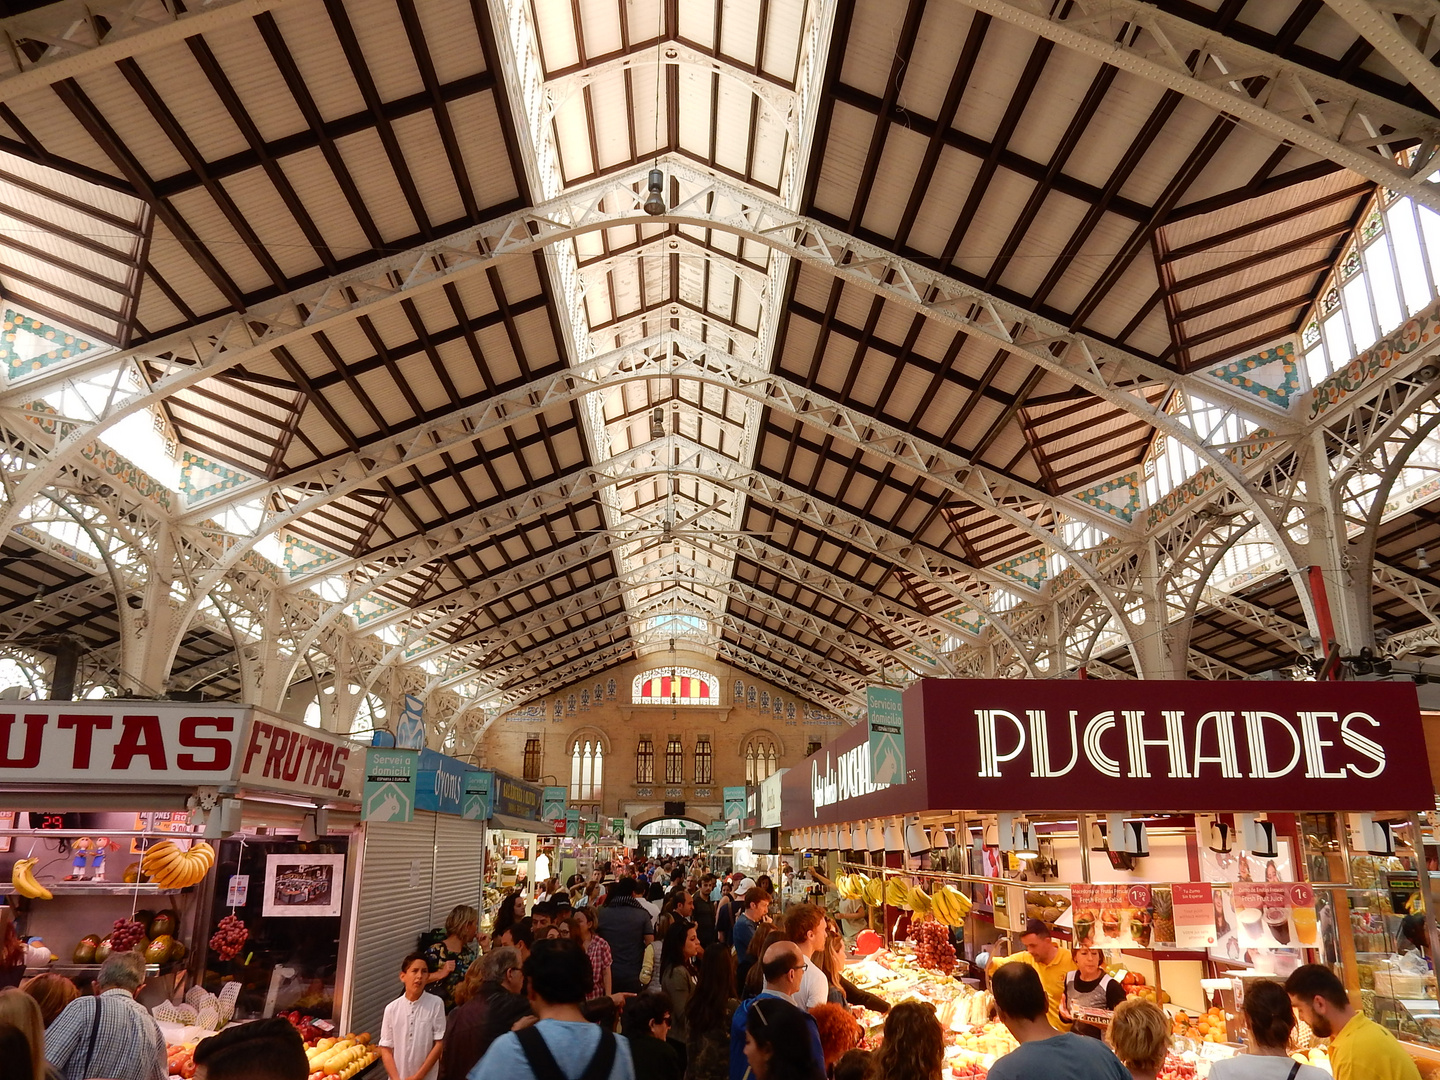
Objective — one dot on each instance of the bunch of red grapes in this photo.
(126, 934)
(932, 947)
(229, 937)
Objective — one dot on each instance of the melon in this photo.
(158, 951)
(102, 951)
(85, 949)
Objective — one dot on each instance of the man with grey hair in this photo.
(110, 1035)
(468, 1032)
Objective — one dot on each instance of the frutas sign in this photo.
(306, 761)
(986, 745)
(172, 742)
(119, 741)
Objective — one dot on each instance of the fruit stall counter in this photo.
(330, 1056)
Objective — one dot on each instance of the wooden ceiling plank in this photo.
(295, 83)
(909, 30)
(49, 194)
(959, 80)
(1220, 239)
(355, 56)
(1139, 146)
(273, 172)
(166, 121)
(999, 142)
(1215, 135)
(1327, 232)
(114, 148)
(415, 34)
(1075, 130)
(422, 335)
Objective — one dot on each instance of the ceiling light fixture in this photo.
(655, 201)
(1421, 562)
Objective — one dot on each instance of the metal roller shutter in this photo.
(458, 848)
(411, 875)
(396, 872)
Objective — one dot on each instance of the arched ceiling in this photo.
(932, 278)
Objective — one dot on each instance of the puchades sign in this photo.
(990, 745)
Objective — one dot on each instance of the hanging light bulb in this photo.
(655, 201)
(1421, 562)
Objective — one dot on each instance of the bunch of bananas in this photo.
(950, 905)
(22, 876)
(920, 901)
(874, 892)
(897, 893)
(851, 886)
(171, 868)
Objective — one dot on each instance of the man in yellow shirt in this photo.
(1051, 961)
(1360, 1048)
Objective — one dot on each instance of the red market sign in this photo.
(1092, 745)
(128, 742)
(281, 756)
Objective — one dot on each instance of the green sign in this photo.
(734, 802)
(617, 826)
(715, 831)
(478, 786)
(572, 821)
(887, 735)
(390, 785)
(552, 803)
(592, 830)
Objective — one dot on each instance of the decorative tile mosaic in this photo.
(1029, 568)
(1120, 497)
(1415, 334)
(369, 608)
(301, 556)
(201, 478)
(1271, 374)
(28, 345)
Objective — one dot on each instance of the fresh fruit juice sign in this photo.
(1112, 916)
(1264, 914)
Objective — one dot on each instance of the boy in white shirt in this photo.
(414, 1025)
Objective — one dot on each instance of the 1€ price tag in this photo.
(239, 890)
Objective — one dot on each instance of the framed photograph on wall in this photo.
(303, 886)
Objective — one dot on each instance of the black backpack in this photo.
(545, 1067)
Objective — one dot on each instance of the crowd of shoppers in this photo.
(542, 997)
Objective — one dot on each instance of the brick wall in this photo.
(601, 710)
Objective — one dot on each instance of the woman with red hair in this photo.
(839, 1031)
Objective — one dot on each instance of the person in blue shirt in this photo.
(1023, 1008)
(757, 910)
(784, 967)
(557, 974)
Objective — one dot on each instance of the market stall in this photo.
(217, 840)
(512, 839)
(1170, 825)
(416, 864)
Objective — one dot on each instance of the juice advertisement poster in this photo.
(1192, 916)
(1112, 916)
(1265, 914)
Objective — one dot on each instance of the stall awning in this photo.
(515, 824)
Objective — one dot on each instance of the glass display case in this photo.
(1397, 984)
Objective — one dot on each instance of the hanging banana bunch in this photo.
(171, 868)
